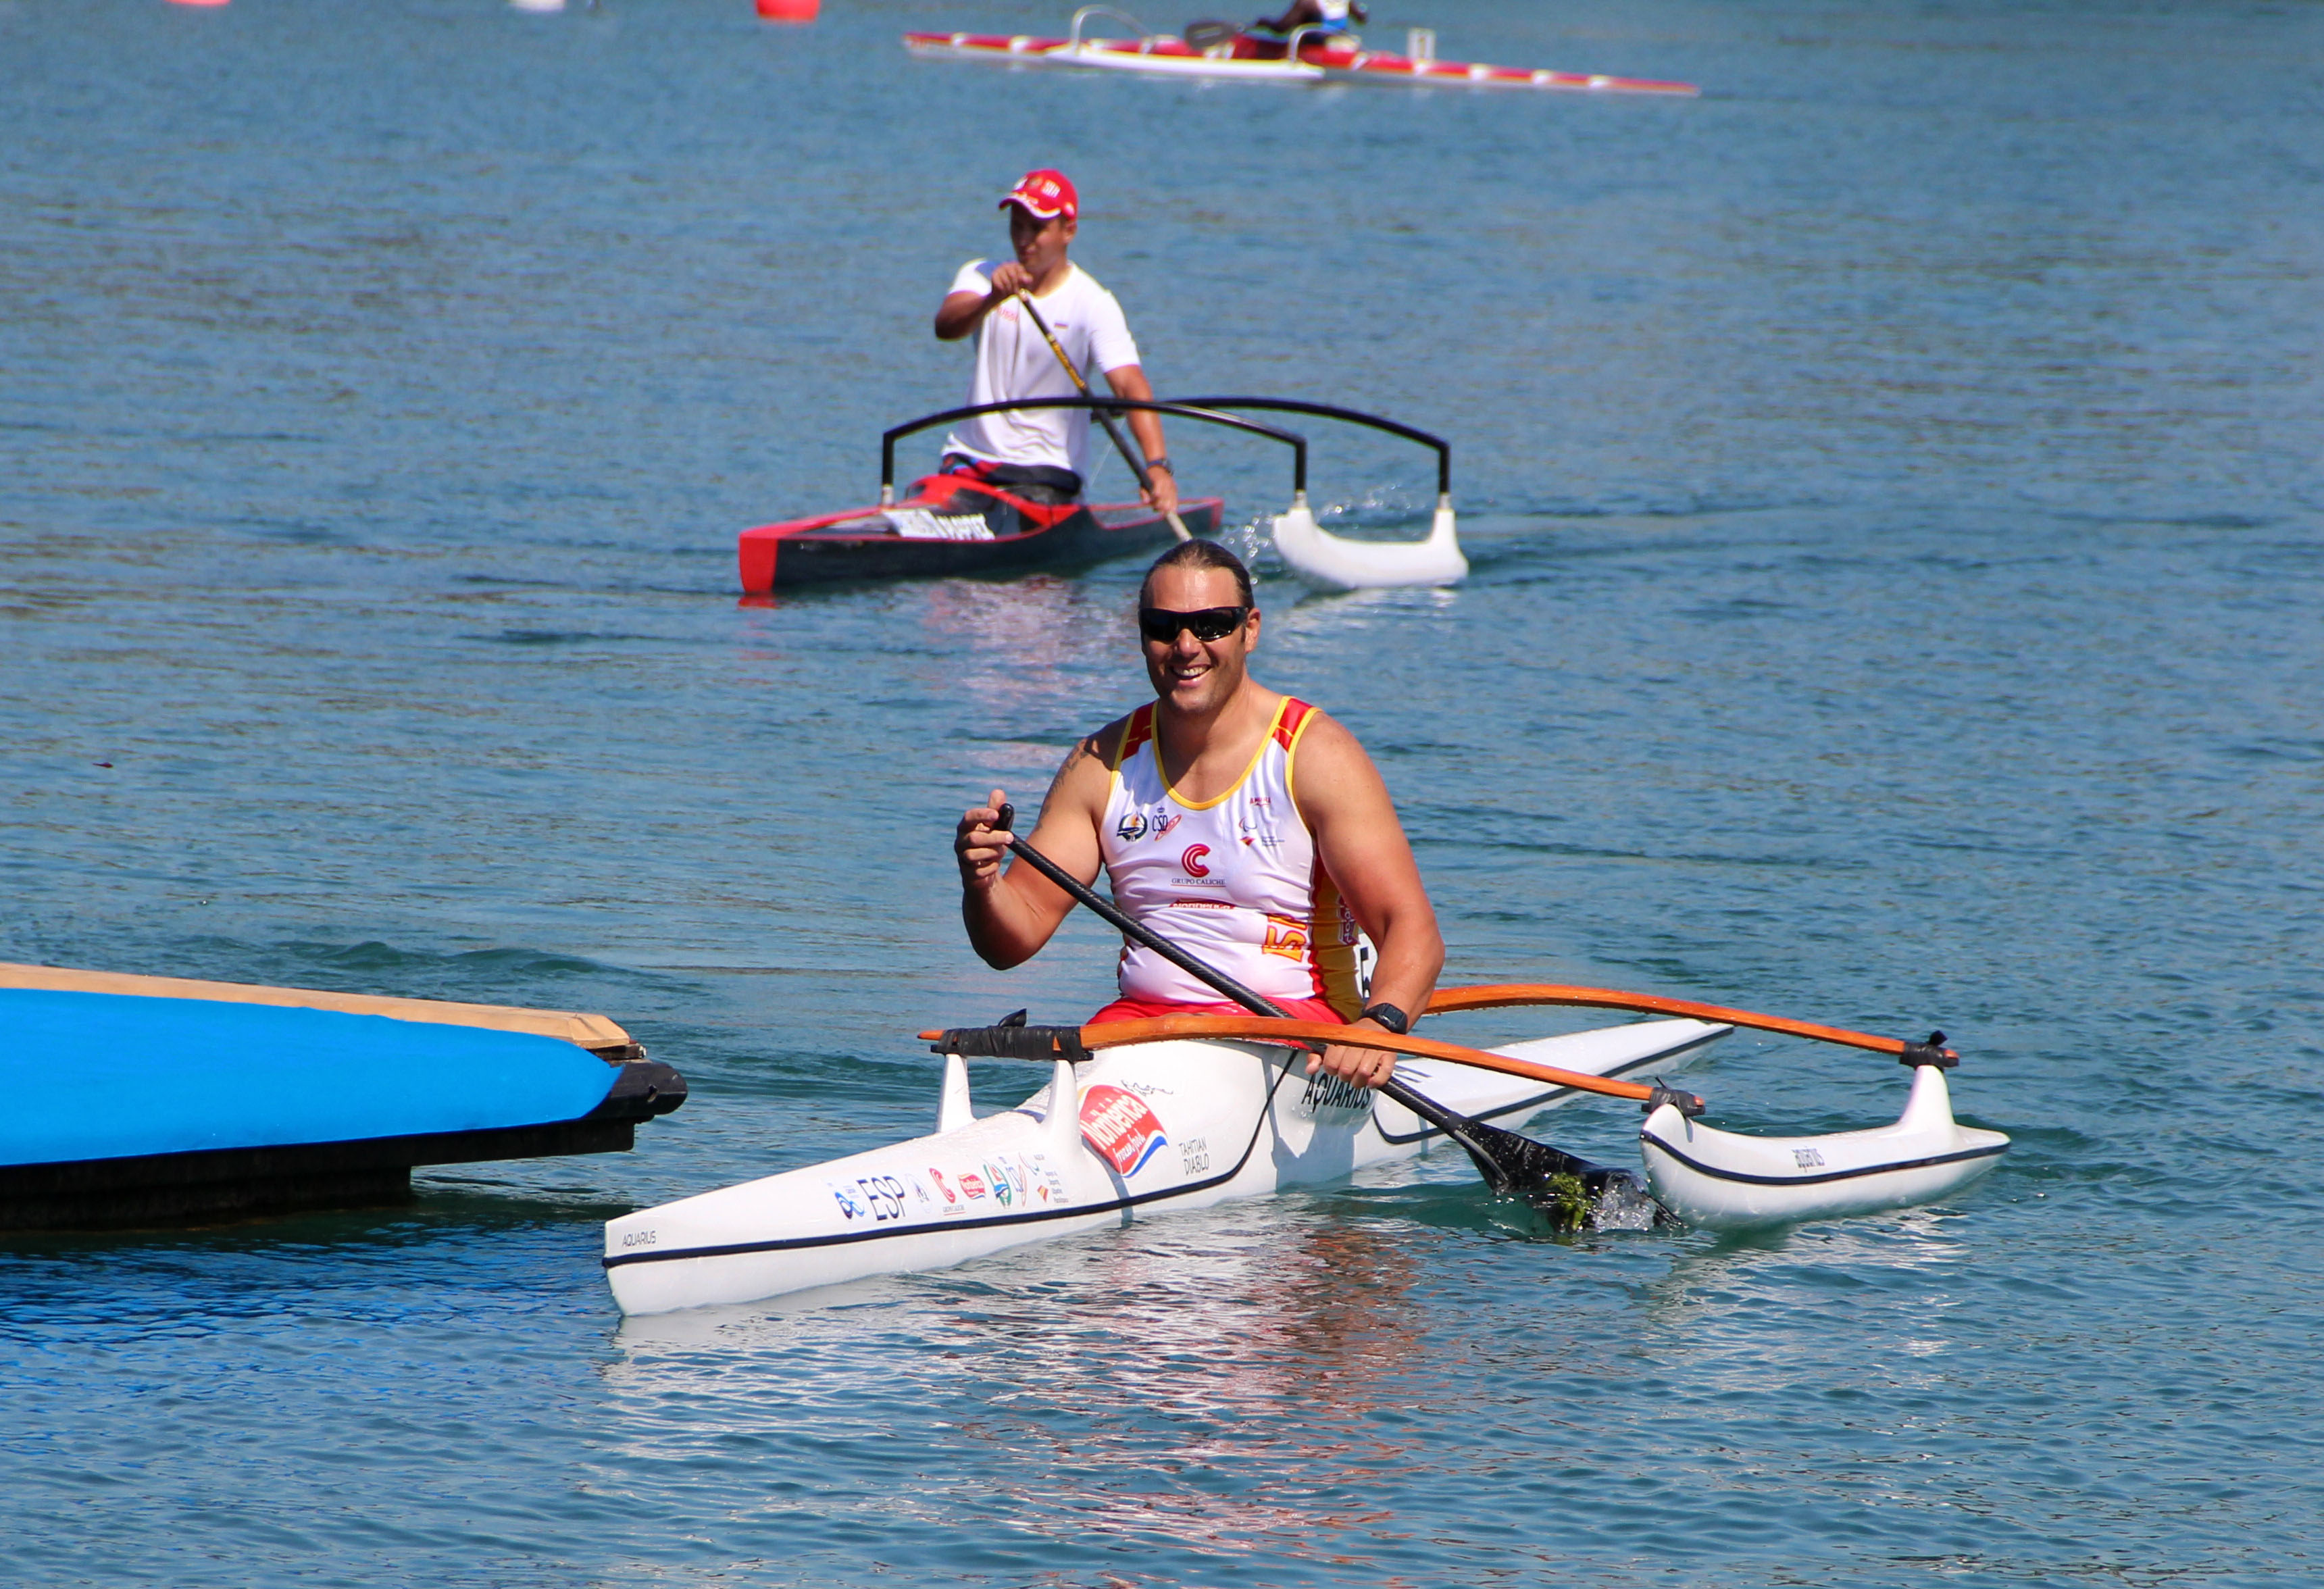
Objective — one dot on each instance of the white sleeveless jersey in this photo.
(1234, 881)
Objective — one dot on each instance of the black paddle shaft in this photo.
(1510, 1163)
(1113, 431)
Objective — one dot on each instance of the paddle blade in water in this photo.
(1575, 1194)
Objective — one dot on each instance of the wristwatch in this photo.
(1388, 1017)
(1161, 463)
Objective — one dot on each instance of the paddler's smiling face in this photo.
(1041, 245)
(1198, 677)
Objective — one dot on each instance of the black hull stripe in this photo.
(1816, 1180)
(1661, 1057)
(1031, 1216)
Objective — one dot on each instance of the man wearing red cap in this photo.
(1043, 452)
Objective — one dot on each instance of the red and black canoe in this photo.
(951, 524)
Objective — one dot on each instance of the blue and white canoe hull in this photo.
(1723, 1180)
(160, 1100)
(1156, 1127)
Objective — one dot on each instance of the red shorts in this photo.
(1151, 1009)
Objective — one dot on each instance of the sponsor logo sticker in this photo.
(1122, 1127)
(1191, 861)
(1287, 936)
(1333, 1094)
(876, 1197)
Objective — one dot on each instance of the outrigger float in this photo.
(156, 1100)
(950, 525)
(1145, 1118)
(1308, 55)
(1721, 1180)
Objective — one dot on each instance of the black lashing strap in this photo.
(1686, 1104)
(1010, 1039)
(1933, 1052)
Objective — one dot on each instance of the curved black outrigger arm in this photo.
(1286, 405)
(1184, 411)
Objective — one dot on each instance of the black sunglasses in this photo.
(1161, 624)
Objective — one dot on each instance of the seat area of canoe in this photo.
(171, 1104)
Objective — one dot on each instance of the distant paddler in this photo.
(1033, 315)
(1329, 17)
(1243, 825)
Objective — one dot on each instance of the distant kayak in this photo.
(952, 524)
(949, 524)
(1308, 55)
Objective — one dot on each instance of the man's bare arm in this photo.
(1345, 804)
(1010, 914)
(961, 312)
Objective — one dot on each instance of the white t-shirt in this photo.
(1013, 360)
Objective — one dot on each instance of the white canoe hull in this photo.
(1721, 1180)
(1335, 561)
(1156, 1128)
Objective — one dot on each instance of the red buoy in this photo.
(788, 10)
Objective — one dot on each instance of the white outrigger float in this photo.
(1722, 1181)
(1335, 561)
(1133, 1132)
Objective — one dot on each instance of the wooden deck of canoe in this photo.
(157, 1100)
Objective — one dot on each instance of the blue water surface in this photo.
(1894, 488)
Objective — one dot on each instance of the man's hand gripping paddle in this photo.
(1113, 431)
(1512, 1165)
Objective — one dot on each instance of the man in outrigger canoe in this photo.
(1326, 16)
(1243, 825)
(1043, 454)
